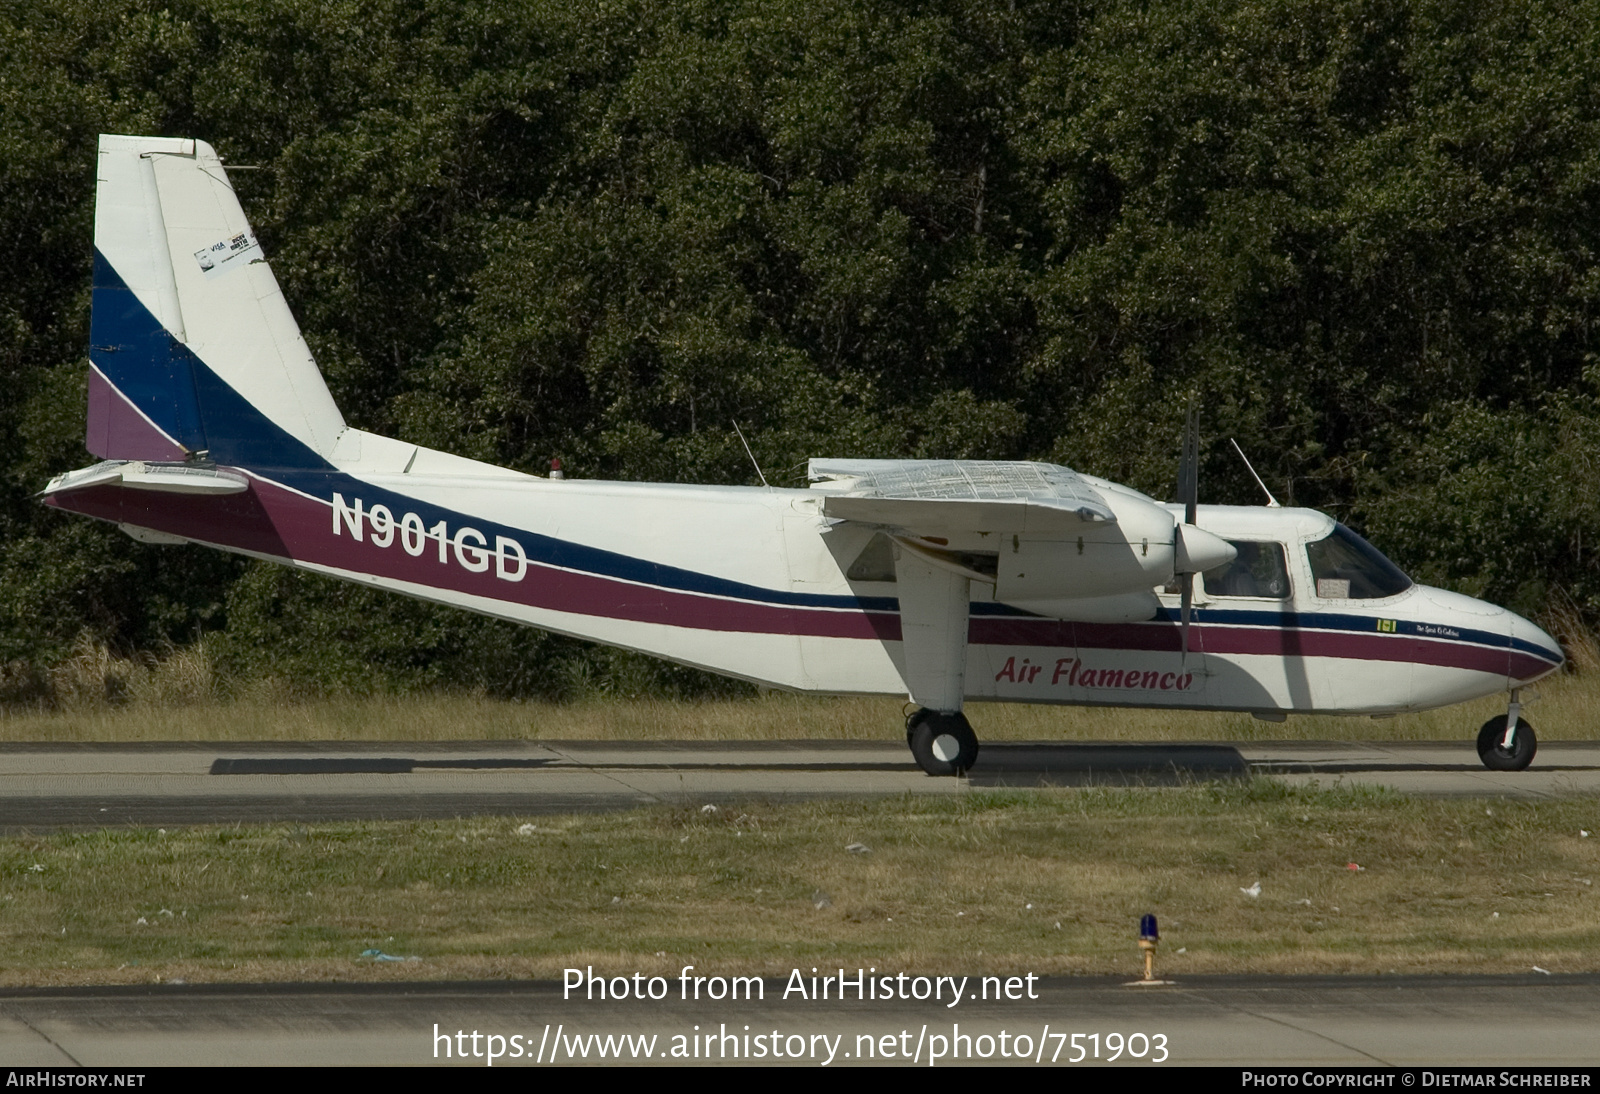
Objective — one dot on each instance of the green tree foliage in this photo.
(1361, 232)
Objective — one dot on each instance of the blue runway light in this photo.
(1147, 929)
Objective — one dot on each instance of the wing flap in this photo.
(960, 515)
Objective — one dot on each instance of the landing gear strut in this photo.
(942, 743)
(1507, 743)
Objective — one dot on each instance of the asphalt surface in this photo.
(1265, 1021)
(52, 786)
(1462, 1021)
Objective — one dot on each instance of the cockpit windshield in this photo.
(1347, 567)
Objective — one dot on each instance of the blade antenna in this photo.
(751, 454)
(1272, 502)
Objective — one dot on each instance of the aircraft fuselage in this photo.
(756, 583)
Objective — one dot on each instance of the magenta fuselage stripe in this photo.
(272, 521)
(1225, 639)
(280, 523)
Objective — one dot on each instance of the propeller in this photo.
(1189, 494)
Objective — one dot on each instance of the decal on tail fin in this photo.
(192, 347)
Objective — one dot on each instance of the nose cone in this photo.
(1533, 652)
(1197, 550)
(1530, 652)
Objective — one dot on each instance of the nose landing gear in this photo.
(1507, 743)
(942, 743)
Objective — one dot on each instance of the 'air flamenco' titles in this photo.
(1071, 672)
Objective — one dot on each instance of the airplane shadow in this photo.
(1271, 767)
(357, 765)
(999, 764)
(1023, 765)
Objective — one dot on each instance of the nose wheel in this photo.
(1496, 754)
(942, 743)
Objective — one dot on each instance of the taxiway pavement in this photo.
(47, 786)
(1448, 1022)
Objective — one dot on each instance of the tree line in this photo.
(1359, 234)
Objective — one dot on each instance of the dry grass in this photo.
(92, 678)
(1565, 623)
(176, 707)
(1049, 882)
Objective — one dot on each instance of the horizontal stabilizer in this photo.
(166, 478)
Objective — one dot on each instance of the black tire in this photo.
(1496, 758)
(943, 744)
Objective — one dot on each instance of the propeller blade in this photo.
(1183, 615)
(1189, 495)
(1189, 467)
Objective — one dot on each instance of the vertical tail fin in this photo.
(192, 347)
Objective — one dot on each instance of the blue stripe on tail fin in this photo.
(161, 381)
(150, 369)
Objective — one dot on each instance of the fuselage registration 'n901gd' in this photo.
(945, 580)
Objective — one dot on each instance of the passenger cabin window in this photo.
(1347, 567)
(1258, 570)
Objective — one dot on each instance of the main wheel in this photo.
(1498, 758)
(943, 744)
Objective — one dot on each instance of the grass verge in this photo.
(1568, 708)
(1041, 881)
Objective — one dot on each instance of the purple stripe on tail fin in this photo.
(117, 431)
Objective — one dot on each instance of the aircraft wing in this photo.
(959, 495)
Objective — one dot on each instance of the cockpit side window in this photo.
(1347, 567)
(1258, 570)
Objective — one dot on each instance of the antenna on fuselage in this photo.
(751, 454)
(1272, 502)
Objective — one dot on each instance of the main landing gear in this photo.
(943, 743)
(1507, 743)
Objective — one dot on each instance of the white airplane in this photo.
(943, 580)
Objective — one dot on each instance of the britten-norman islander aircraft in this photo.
(947, 581)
